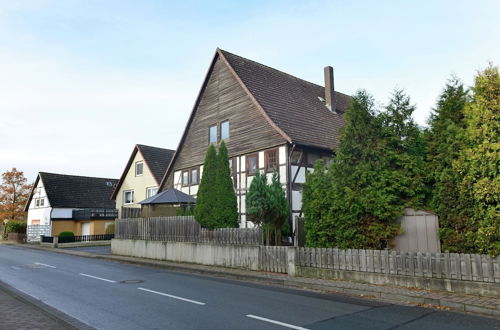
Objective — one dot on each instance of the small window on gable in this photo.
(252, 163)
(139, 167)
(224, 130)
(37, 202)
(151, 191)
(271, 160)
(194, 176)
(212, 132)
(185, 178)
(128, 197)
(42, 202)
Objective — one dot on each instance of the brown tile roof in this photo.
(292, 103)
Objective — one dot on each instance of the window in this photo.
(37, 202)
(271, 160)
(212, 134)
(224, 130)
(139, 168)
(194, 176)
(128, 197)
(185, 178)
(151, 191)
(252, 163)
(42, 202)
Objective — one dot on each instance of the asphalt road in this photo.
(111, 295)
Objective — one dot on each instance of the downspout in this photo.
(289, 182)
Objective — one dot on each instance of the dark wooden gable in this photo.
(223, 98)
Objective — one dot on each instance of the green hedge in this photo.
(16, 227)
(110, 229)
(66, 234)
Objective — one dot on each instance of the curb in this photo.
(378, 292)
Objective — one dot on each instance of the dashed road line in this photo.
(291, 326)
(39, 263)
(172, 296)
(98, 278)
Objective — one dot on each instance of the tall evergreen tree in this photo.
(278, 207)
(445, 139)
(226, 211)
(479, 161)
(256, 200)
(206, 199)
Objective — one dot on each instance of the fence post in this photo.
(55, 240)
(291, 254)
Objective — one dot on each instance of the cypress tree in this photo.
(256, 200)
(226, 211)
(278, 206)
(206, 199)
(479, 160)
(445, 139)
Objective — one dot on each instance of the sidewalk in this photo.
(19, 312)
(434, 299)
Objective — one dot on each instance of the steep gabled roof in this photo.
(73, 191)
(156, 159)
(292, 106)
(169, 196)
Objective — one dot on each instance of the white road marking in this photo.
(291, 326)
(39, 263)
(172, 296)
(98, 278)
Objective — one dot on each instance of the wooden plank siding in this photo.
(224, 99)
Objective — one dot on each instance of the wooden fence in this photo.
(183, 229)
(273, 259)
(469, 267)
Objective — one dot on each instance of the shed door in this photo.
(85, 228)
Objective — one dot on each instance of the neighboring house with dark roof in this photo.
(140, 179)
(268, 120)
(74, 203)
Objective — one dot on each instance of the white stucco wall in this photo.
(138, 184)
(39, 213)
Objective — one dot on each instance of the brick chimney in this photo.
(329, 89)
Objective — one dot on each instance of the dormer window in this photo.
(139, 168)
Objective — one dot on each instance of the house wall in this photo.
(97, 227)
(243, 180)
(138, 184)
(42, 214)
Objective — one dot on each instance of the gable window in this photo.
(194, 176)
(37, 202)
(185, 178)
(212, 138)
(252, 163)
(151, 191)
(224, 130)
(139, 167)
(42, 202)
(128, 197)
(271, 160)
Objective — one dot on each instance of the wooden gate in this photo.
(273, 259)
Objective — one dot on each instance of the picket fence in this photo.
(469, 267)
(183, 229)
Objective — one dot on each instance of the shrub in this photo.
(16, 227)
(110, 229)
(66, 234)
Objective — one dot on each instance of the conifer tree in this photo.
(256, 200)
(226, 210)
(479, 161)
(278, 207)
(206, 199)
(445, 139)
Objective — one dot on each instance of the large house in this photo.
(269, 120)
(79, 204)
(140, 179)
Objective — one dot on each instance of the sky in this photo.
(82, 82)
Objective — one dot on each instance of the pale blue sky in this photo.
(81, 82)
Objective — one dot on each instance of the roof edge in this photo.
(124, 173)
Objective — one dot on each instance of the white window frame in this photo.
(142, 168)
(42, 202)
(149, 189)
(125, 198)
(210, 134)
(222, 131)
(37, 202)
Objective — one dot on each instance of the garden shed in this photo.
(166, 203)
